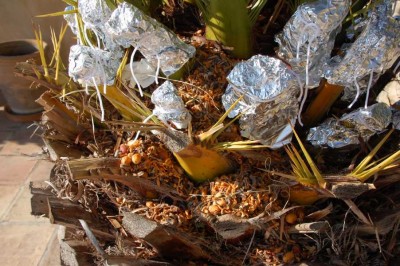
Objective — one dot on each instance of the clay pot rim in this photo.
(31, 42)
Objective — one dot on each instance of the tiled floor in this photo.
(25, 239)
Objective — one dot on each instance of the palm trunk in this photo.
(228, 22)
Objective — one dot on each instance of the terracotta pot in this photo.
(20, 94)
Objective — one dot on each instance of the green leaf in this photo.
(56, 14)
(71, 2)
(370, 156)
(316, 172)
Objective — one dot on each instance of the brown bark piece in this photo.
(67, 213)
(350, 190)
(40, 192)
(169, 242)
(232, 228)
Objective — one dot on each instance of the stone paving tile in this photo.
(21, 143)
(20, 210)
(23, 244)
(51, 256)
(41, 171)
(25, 239)
(14, 170)
(7, 196)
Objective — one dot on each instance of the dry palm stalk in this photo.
(61, 119)
(109, 169)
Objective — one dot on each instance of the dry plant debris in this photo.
(253, 193)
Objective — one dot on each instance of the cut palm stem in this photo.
(327, 95)
(203, 164)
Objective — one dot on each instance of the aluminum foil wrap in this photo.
(313, 26)
(94, 12)
(86, 63)
(169, 107)
(270, 91)
(71, 20)
(396, 119)
(375, 50)
(129, 26)
(333, 134)
(363, 122)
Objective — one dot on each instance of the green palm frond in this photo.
(366, 169)
(71, 2)
(211, 134)
(321, 181)
(239, 146)
(60, 13)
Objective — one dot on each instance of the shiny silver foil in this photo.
(169, 107)
(368, 121)
(94, 12)
(86, 64)
(333, 134)
(71, 20)
(310, 33)
(270, 101)
(396, 119)
(129, 26)
(375, 50)
(363, 122)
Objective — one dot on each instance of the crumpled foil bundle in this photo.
(94, 12)
(363, 122)
(313, 26)
(333, 134)
(376, 49)
(71, 20)
(396, 120)
(270, 99)
(129, 26)
(86, 63)
(169, 107)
